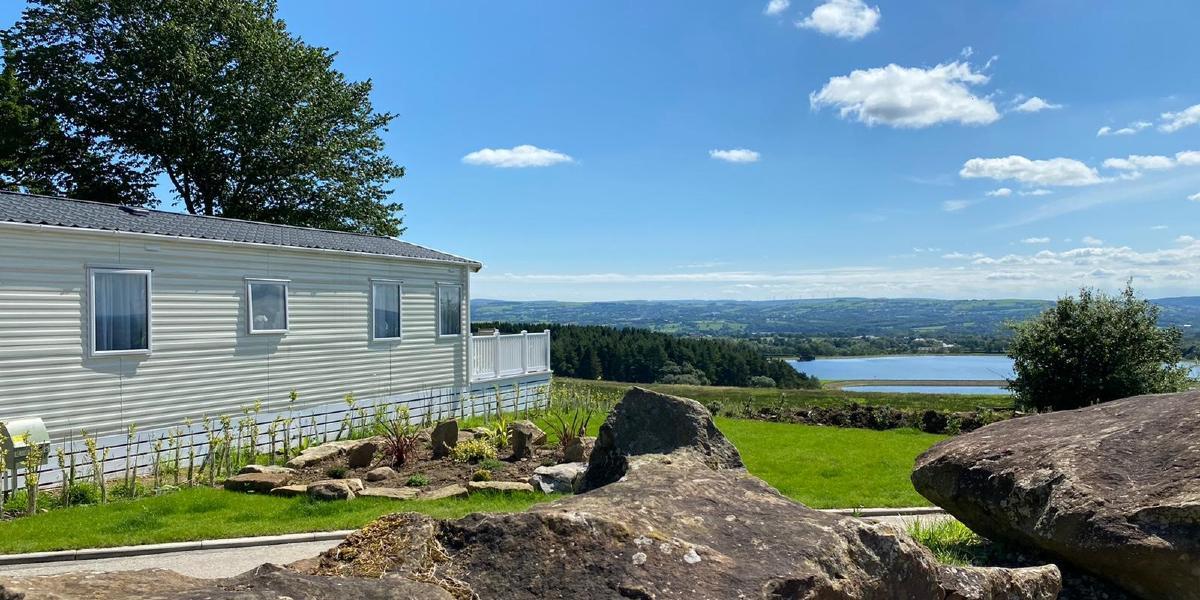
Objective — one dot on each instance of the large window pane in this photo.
(449, 310)
(121, 311)
(268, 306)
(386, 305)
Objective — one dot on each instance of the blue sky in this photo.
(857, 143)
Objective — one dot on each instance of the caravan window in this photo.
(120, 311)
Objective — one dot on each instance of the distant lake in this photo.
(910, 367)
(928, 389)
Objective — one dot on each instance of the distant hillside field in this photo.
(836, 317)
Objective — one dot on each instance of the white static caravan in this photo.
(113, 316)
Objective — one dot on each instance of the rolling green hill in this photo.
(835, 317)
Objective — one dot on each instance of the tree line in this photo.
(644, 356)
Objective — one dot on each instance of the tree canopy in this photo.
(1095, 348)
(242, 118)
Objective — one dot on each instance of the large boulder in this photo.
(646, 422)
(257, 483)
(362, 455)
(523, 436)
(558, 478)
(682, 521)
(1113, 489)
(268, 582)
(331, 489)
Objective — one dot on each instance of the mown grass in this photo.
(951, 542)
(830, 467)
(205, 513)
(759, 397)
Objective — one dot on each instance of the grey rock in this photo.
(405, 493)
(522, 437)
(333, 489)
(646, 422)
(316, 455)
(578, 449)
(444, 437)
(266, 469)
(355, 484)
(450, 491)
(257, 483)
(381, 474)
(1113, 489)
(268, 582)
(558, 478)
(362, 455)
(290, 491)
(498, 486)
(676, 524)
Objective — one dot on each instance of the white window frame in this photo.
(399, 308)
(438, 312)
(91, 293)
(287, 315)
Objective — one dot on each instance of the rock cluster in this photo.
(1113, 489)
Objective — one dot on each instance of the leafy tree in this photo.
(38, 158)
(244, 119)
(1092, 349)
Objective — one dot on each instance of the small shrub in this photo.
(762, 381)
(481, 475)
(473, 451)
(126, 491)
(83, 493)
(714, 408)
(401, 437)
(491, 464)
(338, 472)
(417, 480)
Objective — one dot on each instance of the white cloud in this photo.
(775, 7)
(1036, 240)
(1000, 193)
(1195, 197)
(955, 205)
(1136, 162)
(1188, 158)
(1055, 171)
(516, 157)
(1184, 239)
(847, 19)
(909, 97)
(1174, 121)
(735, 155)
(1162, 227)
(1092, 241)
(1036, 104)
(1131, 129)
(1037, 192)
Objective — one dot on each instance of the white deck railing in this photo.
(497, 356)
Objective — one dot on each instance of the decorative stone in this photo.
(381, 474)
(498, 486)
(444, 437)
(266, 469)
(1113, 489)
(405, 493)
(451, 491)
(523, 436)
(559, 478)
(578, 450)
(257, 483)
(333, 489)
(315, 455)
(290, 491)
(362, 455)
(355, 485)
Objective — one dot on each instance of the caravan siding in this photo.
(204, 361)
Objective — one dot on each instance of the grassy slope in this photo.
(809, 398)
(829, 467)
(205, 513)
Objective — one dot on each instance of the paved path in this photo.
(232, 561)
(196, 563)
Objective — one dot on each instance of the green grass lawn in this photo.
(830, 467)
(205, 513)
(732, 396)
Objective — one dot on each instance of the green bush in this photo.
(762, 381)
(491, 464)
(417, 480)
(79, 494)
(338, 472)
(125, 492)
(1095, 348)
(481, 475)
(473, 451)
